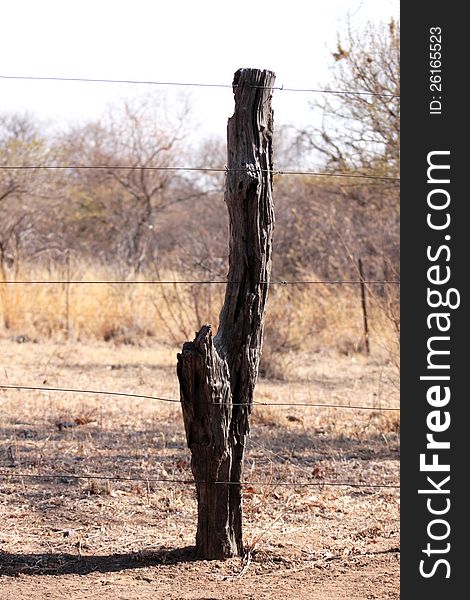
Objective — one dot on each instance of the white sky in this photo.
(177, 40)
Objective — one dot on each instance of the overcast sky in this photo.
(178, 40)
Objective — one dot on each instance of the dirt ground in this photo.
(77, 535)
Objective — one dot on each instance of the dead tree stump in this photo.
(217, 375)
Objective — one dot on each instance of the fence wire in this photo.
(200, 282)
(74, 476)
(196, 169)
(281, 88)
(175, 400)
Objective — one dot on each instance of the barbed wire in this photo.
(201, 169)
(175, 400)
(75, 476)
(281, 88)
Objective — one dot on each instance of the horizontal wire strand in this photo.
(197, 169)
(121, 81)
(281, 88)
(80, 391)
(192, 482)
(159, 398)
(202, 282)
(313, 404)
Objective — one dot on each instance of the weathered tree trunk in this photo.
(217, 376)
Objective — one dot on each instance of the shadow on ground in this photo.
(306, 445)
(14, 565)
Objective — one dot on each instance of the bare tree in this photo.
(23, 152)
(360, 131)
(23, 146)
(137, 150)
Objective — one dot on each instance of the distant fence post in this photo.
(217, 376)
(67, 294)
(364, 307)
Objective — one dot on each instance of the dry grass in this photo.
(311, 318)
(124, 313)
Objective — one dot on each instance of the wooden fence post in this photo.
(364, 307)
(67, 294)
(217, 375)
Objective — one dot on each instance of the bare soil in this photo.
(80, 537)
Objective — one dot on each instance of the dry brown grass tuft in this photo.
(124, 313)
(319, 318)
